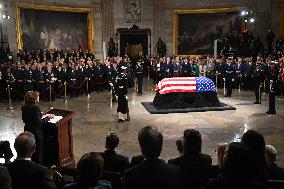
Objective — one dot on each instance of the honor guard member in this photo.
(40, 80)
(229, 76)
(258, 76)
(121, 89)
(273, 75)
(139, 76)
(50, 79)
(29, 78)
(185, 68)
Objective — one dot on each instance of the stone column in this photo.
(108, 23)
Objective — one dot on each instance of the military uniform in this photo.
(139, 76)
(273, 74)
(29, 80)
(229, 76)
(121, 89)
(40, 82)
(258, 76)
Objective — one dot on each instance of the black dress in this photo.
(32, 117)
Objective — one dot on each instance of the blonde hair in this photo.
(30, 97)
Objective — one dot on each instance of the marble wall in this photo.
(156, 15)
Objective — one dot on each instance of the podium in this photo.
(58, 140)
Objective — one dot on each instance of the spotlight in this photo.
(243, 13)
(247, 13)
(4, 16)
(8, 17)
(251, 20)
(246, 20)
(1, 6)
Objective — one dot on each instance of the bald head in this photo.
(25, 145)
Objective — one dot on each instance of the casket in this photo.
(185, 92)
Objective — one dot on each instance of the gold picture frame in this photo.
(90, 19)
(195, 11)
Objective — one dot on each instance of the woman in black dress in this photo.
(32, 117)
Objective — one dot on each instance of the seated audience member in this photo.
(237, 171)
(5, 151)
(5, 179)
(113, 161)
(136, 160)
(26, 174)
(216, 169)
(89, 172)
(256, 143)
(179, 148)
(152, 173)
(194, 165)
(274, 171)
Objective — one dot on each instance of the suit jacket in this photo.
(115, 162)
(195, 169)
(153, 174)
(29, 175)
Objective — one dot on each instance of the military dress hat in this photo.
(123, 67)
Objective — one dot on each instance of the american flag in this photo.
(185, 84)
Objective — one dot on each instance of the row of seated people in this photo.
(245, 164)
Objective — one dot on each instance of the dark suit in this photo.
(115, 162)
(153, 174)
(195, 169)
(136, 160)
(26, 174)
(31, 116)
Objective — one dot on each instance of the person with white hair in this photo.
(274, 170)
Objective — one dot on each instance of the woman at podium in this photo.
(32, 117)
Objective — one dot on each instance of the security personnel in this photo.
(139, 76)
(258, 76)
(122, 106)
(229, 76)
(273, 74)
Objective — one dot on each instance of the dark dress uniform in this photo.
(40, 82)
(258, 76)
(229, 75)
(73, 81)
(50, 78)
(121, 89)
(19, 84)
(139, 76)
(29, 80)
(112, 81)
(273, 74)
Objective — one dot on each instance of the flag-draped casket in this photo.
(185, 92)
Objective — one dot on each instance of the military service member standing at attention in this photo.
(229, 76)
(258, 76)
(139, 76)
(122, 99)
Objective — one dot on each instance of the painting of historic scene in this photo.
(53, 29)
(132, 11)
(197, 31)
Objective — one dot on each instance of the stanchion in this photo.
(240, 82)
(65, 91)
(10, 100)
(259, 93)
(216, 80)
(264, 86)
(88, 95)
(224, 86)
(50, 93)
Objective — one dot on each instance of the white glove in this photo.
(126, 97)
(111, 84)
(233, 80)
(116, 97)
(224, 79)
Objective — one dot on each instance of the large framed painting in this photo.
(54, 27)
(195, 30)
